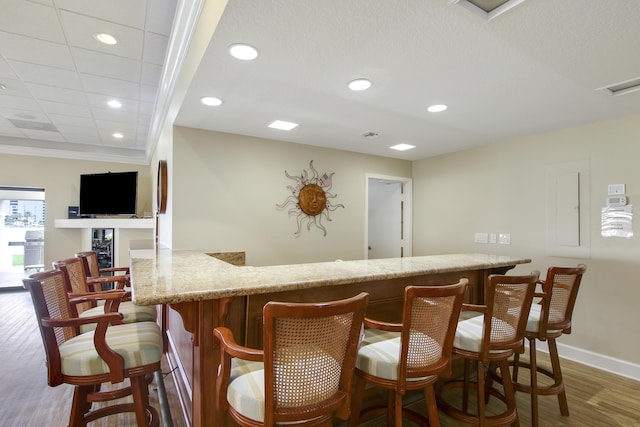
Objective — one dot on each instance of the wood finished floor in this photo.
(596, 398)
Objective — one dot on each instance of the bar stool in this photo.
(303, 375)
(111, 352)
(490, 339)
(548, 320)
(410, 355)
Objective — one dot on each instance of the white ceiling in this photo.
(538, 67)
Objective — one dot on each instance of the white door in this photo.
(388, 217)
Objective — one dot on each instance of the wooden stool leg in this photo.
(557, 377)
(509, 392)
(481, 391)
(356, 401)
(79, 406)
(533, 368)
(140, 393)
(432, 406)
(397, 409)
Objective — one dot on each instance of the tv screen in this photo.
(112, 193)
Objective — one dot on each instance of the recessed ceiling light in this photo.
(114, 104)
(359, 84)
(105, 38)
(282, 125)
(437, 108)
(118, 135)
(211, 101)
(402, 147)
(243, 51)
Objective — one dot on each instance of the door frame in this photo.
(407, 211)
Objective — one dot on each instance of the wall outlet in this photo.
(481, 238)
(504, 238)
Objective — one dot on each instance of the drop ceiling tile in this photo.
(109, 86)
(65, 109)
(57, 94)
(83, 139)
(146, 108)
(38, 116)
(34, 73)
(160, 16)
(126, 12)
(81, 30)
(14, 87)
(148, 93)
(151, 74)
(110, 127)
(32, 20)
(68, 131)
(43, 135)
(19, 103)
(35, 51)
(14, 132)
(61, 120)
(114, 115)
(97, 100)
(102, 64)
(5, 70)
(155, 48)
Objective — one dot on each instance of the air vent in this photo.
(488, 9)
(31, 125)
(623, 88)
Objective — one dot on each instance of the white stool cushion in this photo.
(469, 333)
(533, 321)
(245, 392)
(138, 343)
(131, 313)
(380, 353)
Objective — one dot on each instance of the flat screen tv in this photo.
(105, 194)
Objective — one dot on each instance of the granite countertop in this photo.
(169, 276)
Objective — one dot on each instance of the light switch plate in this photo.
(616, 189)
(481, 238)
(492, 238)
(504, 238)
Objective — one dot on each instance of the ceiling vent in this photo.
(623, 88)
(488, 9)
(31, 125)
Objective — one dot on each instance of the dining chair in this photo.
(110, 352)
(303, 375)
(411, 355)
(490, 338)
(549, 319)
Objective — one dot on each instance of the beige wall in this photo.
(61, 180)
(226, 187)
(502, 188)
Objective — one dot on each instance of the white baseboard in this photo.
(595, 360)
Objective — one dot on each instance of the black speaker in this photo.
(74, 212)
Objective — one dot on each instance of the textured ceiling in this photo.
(535, 68)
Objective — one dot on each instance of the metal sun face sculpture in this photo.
(309, 199)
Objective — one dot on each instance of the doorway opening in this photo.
(388, 220)
(22, 219)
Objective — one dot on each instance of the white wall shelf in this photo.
(104, 223)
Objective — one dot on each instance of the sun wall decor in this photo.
(309, 199)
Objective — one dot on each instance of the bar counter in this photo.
(205, 290)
